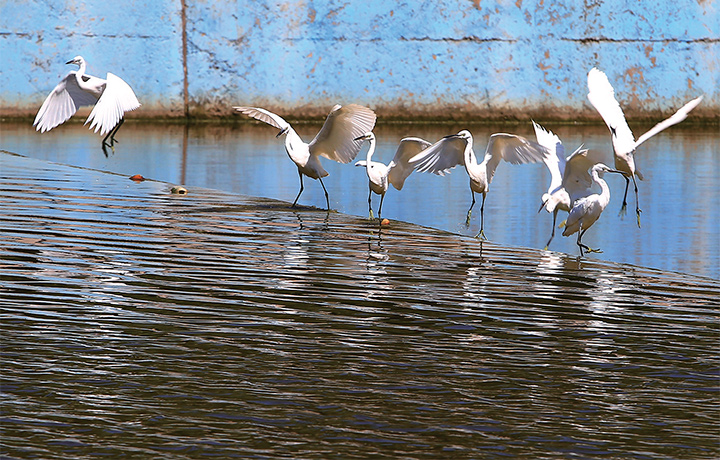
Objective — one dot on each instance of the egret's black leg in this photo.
(114, 132)
(301, 189)
(552, 235)
(482, 219)
(382, 197)
(623, 209)
(637, 203)
(579, 243)
(370, 204)
(469, 213)
(327, 198)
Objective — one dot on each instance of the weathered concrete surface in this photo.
(446, 60)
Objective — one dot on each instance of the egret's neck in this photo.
(605, 190)
(371, 151)
(297, 150)
(469, 153)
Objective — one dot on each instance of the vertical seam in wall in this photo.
(183, 15)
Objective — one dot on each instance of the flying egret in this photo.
(587, 210)
(337, 139)
(569, 177)
(602, 97)
(112, 98)
(380, 175)
(456, 149)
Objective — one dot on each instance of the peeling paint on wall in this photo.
(441, 60)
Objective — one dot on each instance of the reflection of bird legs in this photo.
(582, 246)
(481, 233)
(623, 210)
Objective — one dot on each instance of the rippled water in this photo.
(680, 220)
(141, 324)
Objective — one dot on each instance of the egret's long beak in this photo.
(452, 136)
(284, 131)
(70, 62)
(616, 171)
(362, 138)
(542, 206)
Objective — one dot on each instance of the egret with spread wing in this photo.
(112, 97)
(456, 149)
(569, 177)
(337, 139)
(380, 175)
(602, 96)
(587, 210)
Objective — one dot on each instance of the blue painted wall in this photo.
(441, 59)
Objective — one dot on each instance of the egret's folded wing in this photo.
(441, 156)
(576, 179)
(117, 98)
(399, 167)
(602, 96)
(679, 116)
(555, 160)
(62, 103)
(336, 139)
(513, 149)
(263, 115)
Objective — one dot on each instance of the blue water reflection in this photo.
(681, 216)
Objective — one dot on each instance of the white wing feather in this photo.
(265, 116)
(602, 96)
(679, 116)
(336, 140)
(399, 167)
(576, 178)
(441, 156)
(117, 98)
(513, 149)
(555, 160)
(62, 103)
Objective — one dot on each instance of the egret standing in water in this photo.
(456, 149)
(587, 210)
(380, 175)
(602, 96)
(112, 98)
(337, 139)
(569, 177)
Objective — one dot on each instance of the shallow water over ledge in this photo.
(680, 220)
(139, 323)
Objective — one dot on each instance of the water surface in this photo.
(141, 324)
(680, 220)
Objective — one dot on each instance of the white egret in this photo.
(380, 175)
(112, 98)
(456, 149)
(337, 139)
(587, 210)
(569, 177)
(602, 96)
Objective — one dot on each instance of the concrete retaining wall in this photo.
(437, 59)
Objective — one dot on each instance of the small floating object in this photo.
(179, 190)
(385, 222)
(137, 178)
